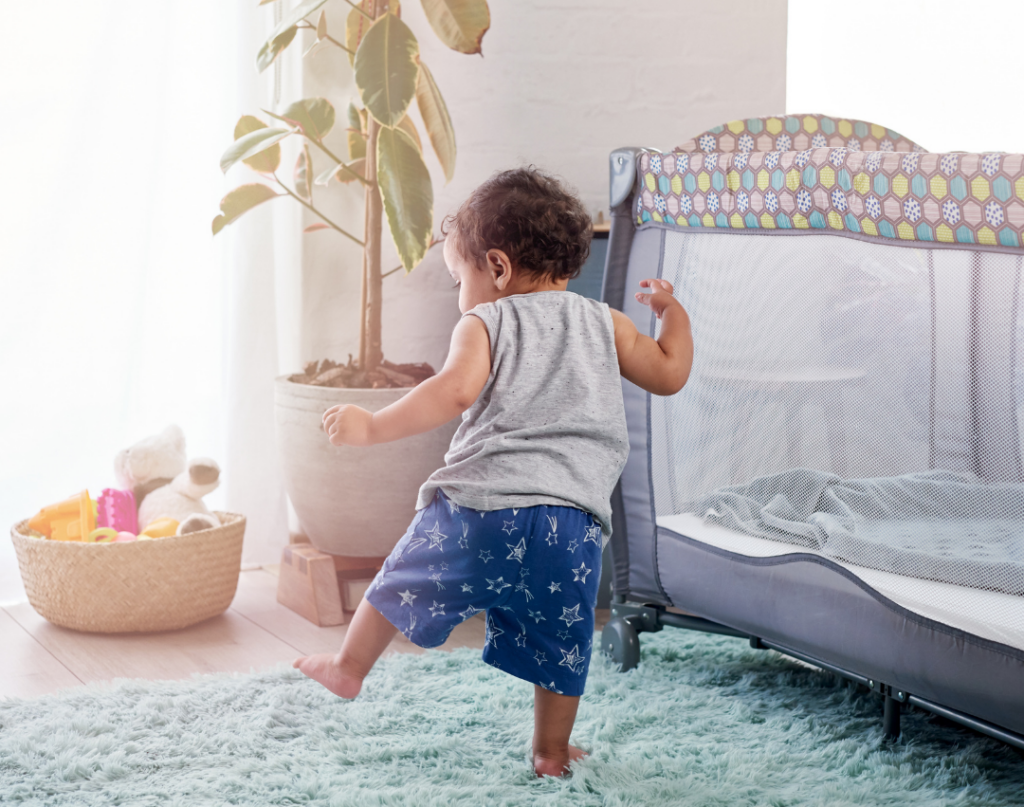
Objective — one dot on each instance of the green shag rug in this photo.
(704, 720)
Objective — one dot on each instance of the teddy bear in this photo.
(166, 483)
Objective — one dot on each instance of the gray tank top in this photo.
(549, 426)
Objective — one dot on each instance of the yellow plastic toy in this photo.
(102, 535)
(70, 520)
(163, 527)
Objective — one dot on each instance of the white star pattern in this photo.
(517, 551)
(414, 542)
(469, 612)
(536, 617)
(453, 507)
(493, 632)
(437, 609)
(521, 586)
(436, 577)
(563, 634)
(487, 553)
(551, 687)
(554, 587)
(508, 529)
(407, 597)
(467, 588)
(540, 657)
(500, 583)
(573, 545)
(552, 535)
(571, 615)
(464, 541)
(412, 624)
(593, 534)
(521, 640)
(581, 573)
(572, 659)
(436, 537)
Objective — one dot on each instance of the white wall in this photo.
(561, 83)
(943, 73)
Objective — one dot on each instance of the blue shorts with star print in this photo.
(534, 570)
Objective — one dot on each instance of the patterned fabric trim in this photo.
(910, 196)
(798, 133)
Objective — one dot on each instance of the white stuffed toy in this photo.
(165, 483)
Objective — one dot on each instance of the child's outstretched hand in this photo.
(660, 297)
(348, 425)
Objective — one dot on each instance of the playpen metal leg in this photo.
(891, 718)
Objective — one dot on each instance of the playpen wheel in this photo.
(620, 641)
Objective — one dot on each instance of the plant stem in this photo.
(374, 226)
(304, 203)
(359, 10)
(336, 42)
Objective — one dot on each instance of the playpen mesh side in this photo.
(859, 400)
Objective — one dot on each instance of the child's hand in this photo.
(348, 425)
(660, 298)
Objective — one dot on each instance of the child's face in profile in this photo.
(475, 286)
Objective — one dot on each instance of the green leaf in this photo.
(460, 24)
(356, 133)
(272, 48)
(386, 69)
(407, 126)
(407, 194)
(345, 176)
(267, 53)
(313, 116)
(265, 162)
(303, 168)
(252, 144)
(356, 26)
(240, 200)
(435, 117)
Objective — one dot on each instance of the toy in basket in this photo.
(84, 567)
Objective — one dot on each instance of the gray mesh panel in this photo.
(857, 400)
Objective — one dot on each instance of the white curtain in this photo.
(119, 311)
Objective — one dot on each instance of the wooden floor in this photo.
(254, 633)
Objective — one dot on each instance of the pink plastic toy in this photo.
(116, 509)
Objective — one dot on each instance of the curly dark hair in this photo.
(531, 217)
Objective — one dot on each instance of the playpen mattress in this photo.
(991, 615)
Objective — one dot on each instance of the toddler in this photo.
(515, 522)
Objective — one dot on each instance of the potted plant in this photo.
(358, 501)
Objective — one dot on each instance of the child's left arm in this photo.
(430, 404)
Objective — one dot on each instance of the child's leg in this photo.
(553, 719)
(367, 636)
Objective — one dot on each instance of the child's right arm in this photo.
(662, 366)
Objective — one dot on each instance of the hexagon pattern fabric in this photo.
(813, 172)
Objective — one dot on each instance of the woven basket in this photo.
(163, 584)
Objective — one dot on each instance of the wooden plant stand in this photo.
(319, 586)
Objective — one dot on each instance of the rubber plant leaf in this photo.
(273, 48)
(303, 169)
(356, 25)
(386, 69)
(252, 144)
(312, 228)
(338, 172)
(407, 194)
(407, 126)
(266, 162)
(356, 134)
(240, 200)
(434, 112)
(267, 53)
(460, 24)
(313, 116)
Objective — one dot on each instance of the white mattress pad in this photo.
(988, 614)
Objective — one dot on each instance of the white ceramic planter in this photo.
(351, 500)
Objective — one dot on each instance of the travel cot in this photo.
(841, 477)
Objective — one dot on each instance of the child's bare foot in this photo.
(556, 766)
(327, 670)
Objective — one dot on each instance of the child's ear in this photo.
(500, 267)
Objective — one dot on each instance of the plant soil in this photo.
(327, 373)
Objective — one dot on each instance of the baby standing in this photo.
(515, 521)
